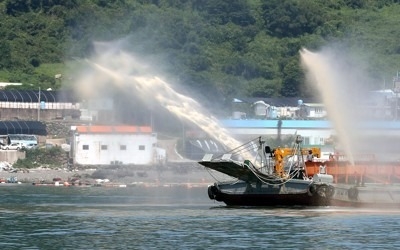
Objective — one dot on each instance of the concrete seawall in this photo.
(11, 156)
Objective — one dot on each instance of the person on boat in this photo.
(310, 156)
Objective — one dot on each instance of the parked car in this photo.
(13, 146)
(31, 145)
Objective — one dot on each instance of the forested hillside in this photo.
(232, 47)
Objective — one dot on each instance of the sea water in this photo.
(33, 217)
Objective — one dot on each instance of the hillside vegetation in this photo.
(231, 47)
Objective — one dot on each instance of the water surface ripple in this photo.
(178, 218)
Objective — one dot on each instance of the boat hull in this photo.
(368, 196)
(291, 193)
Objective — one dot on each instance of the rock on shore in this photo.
(125, 175)
(40, 175)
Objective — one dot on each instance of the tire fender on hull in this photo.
(312, 190)
(323, 190)
(212, 192)
(330, 191)
(353, 193)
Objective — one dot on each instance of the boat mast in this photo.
(264, 152)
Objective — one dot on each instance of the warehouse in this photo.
(114, 145)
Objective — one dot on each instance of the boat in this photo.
(267, 177)
(365, 183)
(372, 195)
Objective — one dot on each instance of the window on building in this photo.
(104, 147)
(85, 147)
(306, 140)
(122, 147)
(142, 147)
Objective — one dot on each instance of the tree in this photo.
(5, 55)
(260, 87)
(15, 7)
(292, 18)
(293, 76)
(225, 11)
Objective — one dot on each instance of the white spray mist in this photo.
(116, 69)
(341, 86)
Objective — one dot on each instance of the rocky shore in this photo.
(176, 175)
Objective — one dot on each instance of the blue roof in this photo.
(382, 124)
(303, 124)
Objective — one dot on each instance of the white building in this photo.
(113, 145)
(316, 110)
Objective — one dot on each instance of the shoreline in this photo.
(191, 177)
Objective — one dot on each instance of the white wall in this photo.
(35, 105)
(139, 149)
(317, 112)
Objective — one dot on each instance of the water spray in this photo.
(324, 74)
(151, 88)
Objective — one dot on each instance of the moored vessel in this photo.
(367, 196)
(366, 183)
(273, 178)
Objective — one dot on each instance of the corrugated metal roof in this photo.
(113, 129)
(33, 96)
(22, 127)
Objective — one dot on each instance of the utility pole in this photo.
(38, 111)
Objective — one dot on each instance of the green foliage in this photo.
(223, 12)
(261, 87)
(49, 157)
(218, 48)
(292, 77)
(290, 18)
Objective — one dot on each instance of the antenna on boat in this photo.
(299, 139)
(261, 141)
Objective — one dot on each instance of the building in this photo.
(277, 108)
(114, 145)
(370, 139)
(38, 105)
(23, 127)
(26, 132)
(314, 132)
